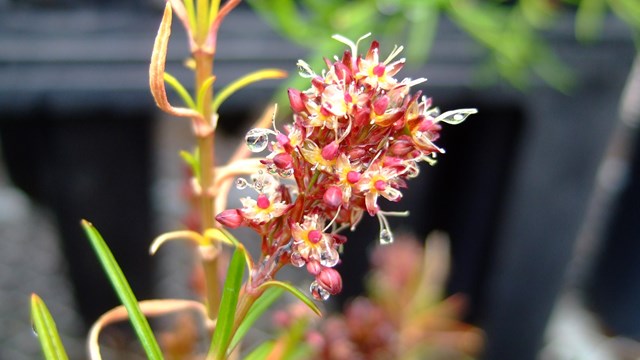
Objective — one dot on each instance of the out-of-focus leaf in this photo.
(228, 304)
(193, 160)
(589, 18)
(283, 16)
(45, 327)
(124, 292)
(149, 308)
(261, 352)
(263, 303)
(627, 10)
(422, 31)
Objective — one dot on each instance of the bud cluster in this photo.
(357, 135)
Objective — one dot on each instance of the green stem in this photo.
(204, 70)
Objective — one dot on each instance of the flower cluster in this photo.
(357, 135)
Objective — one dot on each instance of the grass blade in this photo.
(228, 304)
(45, 328)
(122, 288)
(263, 303)
(297, 293)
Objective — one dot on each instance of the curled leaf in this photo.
(149, 308)
(157, 76)
(177, 235)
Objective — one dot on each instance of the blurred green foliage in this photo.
(510, 32)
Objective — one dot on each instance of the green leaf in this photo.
(297, 293)
(45, 328)
(261, 352)
(228, 304)
(193, 160)
(244, 81)
(177, 86)
(263, 303)
(124, 292)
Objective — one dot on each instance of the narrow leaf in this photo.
(177, 235)
(297, 293)
(45, 328)
(244, 81)
(177, 86)
(124, 292)
(193, 160)
(228, 304)
(258, 308)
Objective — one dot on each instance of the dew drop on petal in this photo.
(296, 259)
(329, 257)
(285, 173)
(241, 184)
(455, 116)
(257, 139)
(386, 237)
(272, 169)
(318, 292)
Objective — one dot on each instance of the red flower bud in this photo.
(333, 197)
(380, 105)
(295, 99)
(231, 218)
(401, 146)
(330, 280)
(283, 161)
(314, 267)
(330, 151)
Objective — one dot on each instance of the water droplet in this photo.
(258, 185)
(257, 139)
(33, 329)
(329, 257)
(386, 237)
(318, 292)
(285, 173)
(297, 260)
(241, 183)
(455, 116)
(272, 169)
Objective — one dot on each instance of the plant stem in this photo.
(209, 255)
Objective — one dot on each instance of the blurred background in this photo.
(539, 192)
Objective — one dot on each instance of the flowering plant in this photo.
(358, 134)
